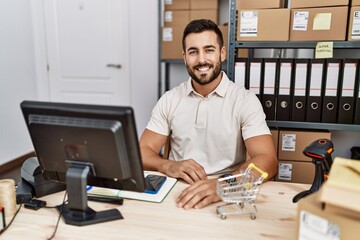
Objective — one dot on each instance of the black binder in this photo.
(268, 99)
(314, 96)
(331, 86)
(283, 101)
(254, 77)
(357, 100)
(241, 68)
(347, 92)
(298, 102)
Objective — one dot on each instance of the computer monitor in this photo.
(82, 145)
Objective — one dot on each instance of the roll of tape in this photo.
(8, 196)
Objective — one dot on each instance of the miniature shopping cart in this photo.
(240, 191)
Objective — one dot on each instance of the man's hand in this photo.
(198, 195)
(188, 170)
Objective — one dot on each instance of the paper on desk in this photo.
(158, 197)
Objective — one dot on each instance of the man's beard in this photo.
(206, 80)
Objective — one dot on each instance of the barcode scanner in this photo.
(320, 152)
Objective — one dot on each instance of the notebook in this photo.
(149, 197)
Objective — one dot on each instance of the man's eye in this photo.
(209, 50)
(192, 52)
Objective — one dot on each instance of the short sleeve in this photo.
(253, 118)
(159, 120)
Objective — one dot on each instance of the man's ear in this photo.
(184, 57)
(223, 53)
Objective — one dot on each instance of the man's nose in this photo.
(202, 57)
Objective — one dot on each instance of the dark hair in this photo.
(201, 25)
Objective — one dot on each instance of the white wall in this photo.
(144, 51)
(18, 70)
(17, 76)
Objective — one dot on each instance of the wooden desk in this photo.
(143, 220)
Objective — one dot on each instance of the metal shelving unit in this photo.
(233, 45)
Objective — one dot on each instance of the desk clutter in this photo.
(240, 192)
(333, 212)
(7, 197)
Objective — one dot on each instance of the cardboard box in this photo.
(203, 4)
(318, 24)
(259, 4)
(177, 4)
(354, 26)
(296, 172)
(176, 17)
(355, 3)
(293, 142)
(317, 3)
(171, 45)
(341, 192)
(263, 25)
(225, 32)
(204, 14)
(313, 222)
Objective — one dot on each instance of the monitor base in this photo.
(87, 217)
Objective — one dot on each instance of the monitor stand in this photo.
(76, 211)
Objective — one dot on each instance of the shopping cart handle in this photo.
(264, 175)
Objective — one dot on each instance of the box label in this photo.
(285, 171)
(355, 30)
(313, 227)
(168, 16)
(248, 23)
(300, 21)
(167, 34)
(288, 142)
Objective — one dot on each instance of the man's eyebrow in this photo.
(205, 47)
(192, 48)
(209, 46)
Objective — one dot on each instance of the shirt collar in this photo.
(220, 89)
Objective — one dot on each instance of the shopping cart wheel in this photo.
(223, 217)
(253, 216)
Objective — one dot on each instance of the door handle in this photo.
(114, 65)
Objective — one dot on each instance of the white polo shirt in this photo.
(209, 129)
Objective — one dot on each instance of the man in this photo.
(210, 122)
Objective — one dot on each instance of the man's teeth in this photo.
(203, 68)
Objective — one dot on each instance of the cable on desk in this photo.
(8, 225)
(57, 223)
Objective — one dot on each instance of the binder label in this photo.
(300, 20)
(255, 77)
(332, 79)
(288, 142)
(269, 81)
(349, 80)
(355, 30)
(315, 79)
(300, 79)
(240, 68)
(285, 171)
(285, 79)
(248, 23)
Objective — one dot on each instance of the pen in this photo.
(118, 201)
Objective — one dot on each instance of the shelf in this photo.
(337, 44)
(313, 125)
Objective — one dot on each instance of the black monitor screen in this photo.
(72, 138)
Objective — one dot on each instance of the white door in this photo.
(88, 51)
